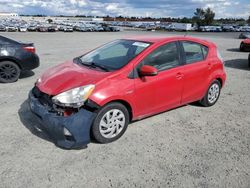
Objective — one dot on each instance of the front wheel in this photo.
(110, 123)
(212, 94)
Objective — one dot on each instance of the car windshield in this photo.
(114, 55)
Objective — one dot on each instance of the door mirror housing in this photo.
(147, 70)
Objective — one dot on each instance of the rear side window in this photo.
(194, 52)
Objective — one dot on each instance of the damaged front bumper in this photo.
(67, 132)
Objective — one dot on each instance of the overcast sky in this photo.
(153, 8)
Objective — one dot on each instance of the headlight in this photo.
(74, 97)
(39, 80)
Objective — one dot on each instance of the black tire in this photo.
(249, 60)
(205, 101)
(95, 129)
(9, 72)
(242, 48)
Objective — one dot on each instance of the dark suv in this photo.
(14, 58)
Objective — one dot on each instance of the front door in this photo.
(163, 91)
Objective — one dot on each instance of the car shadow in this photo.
(29, 120)
(241, 64)
(26, 74)
(233, 50)
(196, 104)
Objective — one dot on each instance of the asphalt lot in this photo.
(190, 146)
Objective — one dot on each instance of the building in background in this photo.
(8, 15)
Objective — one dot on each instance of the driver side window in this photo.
(164, 57)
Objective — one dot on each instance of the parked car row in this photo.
(21, 26)
(14, 25)
(97, 28)
(169, 26)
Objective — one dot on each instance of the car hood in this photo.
(247, 41)
(67, 76)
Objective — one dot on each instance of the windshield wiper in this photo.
(91, 64)
(99, 66)
(94, 65)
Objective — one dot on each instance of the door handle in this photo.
(179, 75)
(209, 65)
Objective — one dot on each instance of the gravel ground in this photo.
(190, 146)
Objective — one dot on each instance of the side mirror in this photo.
(147, 70)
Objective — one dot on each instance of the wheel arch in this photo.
(220, 80)
(12, 60)
(126, 104)
(213, 78)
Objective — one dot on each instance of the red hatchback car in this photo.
(96, 95)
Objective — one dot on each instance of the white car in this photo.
(11, 28)
(68, 29)
(22, 29)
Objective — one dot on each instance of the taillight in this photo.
(31, 49)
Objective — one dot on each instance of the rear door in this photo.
(196, 71)
(163, 91)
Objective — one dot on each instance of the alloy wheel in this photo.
(8, 72)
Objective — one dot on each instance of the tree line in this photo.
(201, 17)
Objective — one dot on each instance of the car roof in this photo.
(5, 39)
(160, 39)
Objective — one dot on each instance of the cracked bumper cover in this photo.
(77, 124)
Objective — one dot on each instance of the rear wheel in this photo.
(212, 95)
(110, 123)
(9, 72)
